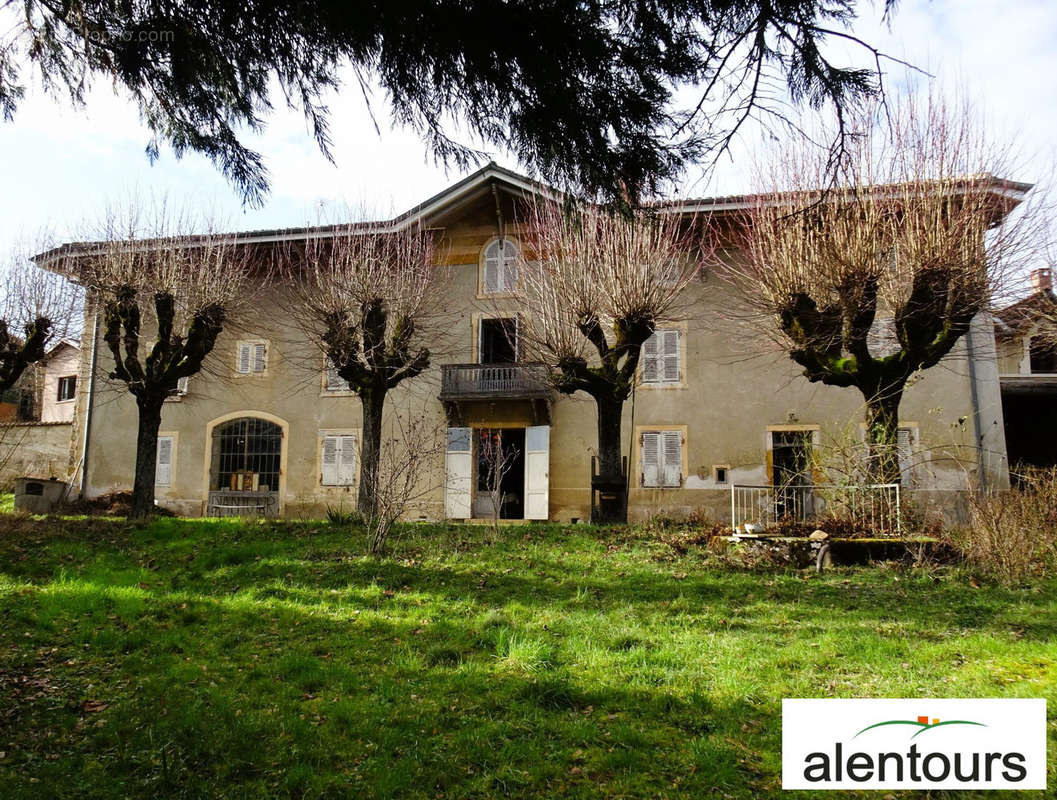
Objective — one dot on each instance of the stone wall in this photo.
(34, 449)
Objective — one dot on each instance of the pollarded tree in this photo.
(164, 296)
(878, 278)
(366, 298)
(586, 94)
(594, 295)
(37, 308)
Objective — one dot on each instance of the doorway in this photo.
(791, 473)
(499, 461)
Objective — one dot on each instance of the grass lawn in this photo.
(211, 658)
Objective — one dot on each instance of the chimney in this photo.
(1041, 280)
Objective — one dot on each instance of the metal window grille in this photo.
(248, 447)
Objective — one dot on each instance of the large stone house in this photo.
(714, 406)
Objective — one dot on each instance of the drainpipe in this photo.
(974, 396)
(91, 398)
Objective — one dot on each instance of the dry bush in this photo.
(1012, 536)
(408, 473)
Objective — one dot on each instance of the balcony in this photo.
(493, 382)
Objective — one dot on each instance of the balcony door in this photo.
(498, 342)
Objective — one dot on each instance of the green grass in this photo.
(275, 660)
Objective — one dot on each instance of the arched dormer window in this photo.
(499, 267)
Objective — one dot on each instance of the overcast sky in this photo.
(60, 166)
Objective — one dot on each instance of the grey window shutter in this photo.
(181, 385)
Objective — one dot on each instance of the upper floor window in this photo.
(67, 388)
(660, 358)
(498, 342)
(499, 270)
(252, 357)
(1042, 356)
(180, 390)
(335, 383)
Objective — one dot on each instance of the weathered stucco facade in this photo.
(735, 395)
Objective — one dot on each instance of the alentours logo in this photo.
(914, 744)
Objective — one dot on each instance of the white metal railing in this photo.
(874, 507)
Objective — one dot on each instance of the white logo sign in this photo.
(914, 744)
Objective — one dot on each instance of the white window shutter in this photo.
(330, 461)
(259, 357)
(670, 353)
(673, 458)
(163, 469)
(537, 472)
(244, 358)
(458, 461)
(491, 269)
(651, 459)
(347, 460)
(650, 372)
(509, 267)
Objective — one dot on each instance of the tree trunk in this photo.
(882, 433)
(146, 458)
(373, 401)
(611, 481)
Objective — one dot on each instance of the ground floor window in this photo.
(246, 455)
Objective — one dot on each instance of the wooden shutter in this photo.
(163, 469)
(335, 383)
(329, 467)
(508, 267)
(904, 446)
(491, 268)
(244, 358)
(673, 458)
(537, 472)
(670, 355)
(260, 354)
(458, 464)
(651, 459)
(346, 460)
(650, 367)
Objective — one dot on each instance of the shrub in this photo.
(339, 516)
(1012, 535)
